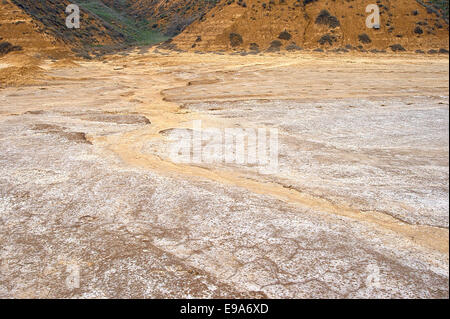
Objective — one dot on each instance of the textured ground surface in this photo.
(359, 207)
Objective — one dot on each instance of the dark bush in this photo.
(274, 46)
(364, 38)
(254, 47)
(327, 19)
(397, 48)
(340, 50)
(285, 35)
(327, 39)
(418, 30)
(235, 39)
(293, 47)
(6, 47)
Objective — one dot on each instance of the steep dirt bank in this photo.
(39, 28)
(21, 30)
(256, 25)
(169, 16)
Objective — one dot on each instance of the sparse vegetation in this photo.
(293, 47)
(364, 38)
(135, 31)
(121, 24)
(442, 6)
(397, 48)
(236, 39)
(325, 18)
(102, 25)
(285, 35)
(254, 47)
(177, 24)
(6, 47)
(275, 46)
(418, 30)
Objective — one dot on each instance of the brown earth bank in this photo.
(357, 209)
(259, 25)
(38, 28)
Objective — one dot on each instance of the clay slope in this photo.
(38, 27)
(327, 24)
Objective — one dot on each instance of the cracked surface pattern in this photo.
(388, 155)
(86, 182)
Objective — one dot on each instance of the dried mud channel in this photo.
(358, 208)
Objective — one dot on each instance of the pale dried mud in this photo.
(358, 208)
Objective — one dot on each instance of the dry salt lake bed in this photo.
(92, 206)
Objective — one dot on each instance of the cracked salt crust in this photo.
(141, 226)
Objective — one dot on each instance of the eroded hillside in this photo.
(293, 24)
(41, 26)
(22, 32)
(172, 16)
(52, 14)
(358, 207)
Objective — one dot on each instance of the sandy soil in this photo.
(358, 208)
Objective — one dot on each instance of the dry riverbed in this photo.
(357, 208)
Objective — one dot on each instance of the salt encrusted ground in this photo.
(359, 207)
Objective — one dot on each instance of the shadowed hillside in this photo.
(102, 28)
(52, 15)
